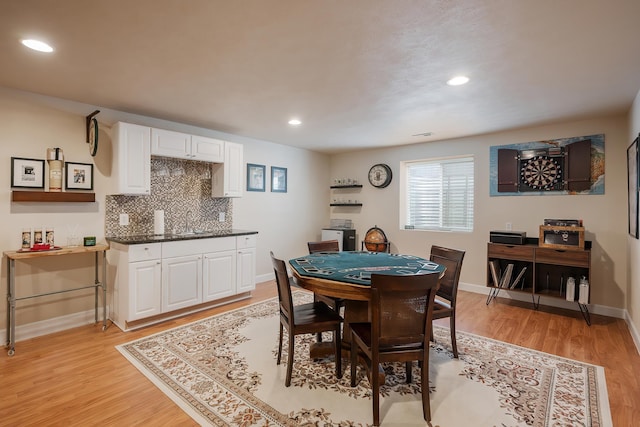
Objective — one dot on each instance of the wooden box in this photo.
(561, 237)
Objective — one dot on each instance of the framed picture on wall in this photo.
(79, 176)
(255, 177)
(633, 181)
(27, 173)
(278, 179)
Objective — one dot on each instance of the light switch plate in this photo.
(124, 219)
(221, 216)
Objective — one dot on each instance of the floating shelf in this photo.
(52, 196)
(345, 204)
(347, 186)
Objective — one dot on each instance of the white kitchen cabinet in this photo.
(184, 146)
(144, 281)
(218, 275)
(246, 263)
(181, 282)
(131, 168)
(227, 177)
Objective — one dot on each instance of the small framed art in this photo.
(255, 177)
(27, 173)
(278, 179)
(79, 176)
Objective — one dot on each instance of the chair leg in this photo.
(408, 366)
(426, 399)
(279, 346)
(452, 327)
(354, 362)
(375, 391)
(338, 350)
(292, 338)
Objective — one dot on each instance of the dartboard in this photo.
(541, 172)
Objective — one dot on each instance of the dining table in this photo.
(347, 275)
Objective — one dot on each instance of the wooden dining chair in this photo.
(445, 304)
(401, 317)
(326, 246)
(300, 319)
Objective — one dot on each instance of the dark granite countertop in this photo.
(153, 238)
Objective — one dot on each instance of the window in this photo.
(438, 194)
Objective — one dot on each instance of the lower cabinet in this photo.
(159, 278)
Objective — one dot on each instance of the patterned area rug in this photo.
(222, 371)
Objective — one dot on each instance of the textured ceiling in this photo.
(358, 73)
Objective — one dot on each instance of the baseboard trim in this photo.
(635, 335)
(57, 324)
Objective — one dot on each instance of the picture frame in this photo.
(255, 177)
(278, 179)
(633, 180)
(27, 173)
(78, 176)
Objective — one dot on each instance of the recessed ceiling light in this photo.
(458, 80)
(295, 122)
(423, 134)
(38, 45)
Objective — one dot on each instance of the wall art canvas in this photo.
(558, 166)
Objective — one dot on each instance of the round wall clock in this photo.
(380, 175)
(93, 136)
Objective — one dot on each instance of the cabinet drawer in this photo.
(144, 252)
(248, 241)
(197, 246)
(563, 257)
(517, 252)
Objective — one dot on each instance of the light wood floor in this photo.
(77, 377)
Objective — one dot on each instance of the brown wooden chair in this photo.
(445, 304)
(326, 246)
(401, 316)
(308, 318)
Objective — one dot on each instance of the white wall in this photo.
(604, 215)
(29, 124)
(633, 260)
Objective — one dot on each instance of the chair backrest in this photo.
(452, 260)
(402, 310)
(323, 246)
(284, 288)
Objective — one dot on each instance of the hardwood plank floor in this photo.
(77, 377)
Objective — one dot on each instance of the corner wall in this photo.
(633, 259)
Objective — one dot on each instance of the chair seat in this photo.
(316, 313)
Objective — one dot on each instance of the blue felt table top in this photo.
(357, 267)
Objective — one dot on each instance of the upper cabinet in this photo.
(184, 146)
(131, 169)
(226, 180)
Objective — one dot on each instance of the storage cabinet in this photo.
(160, 278)
(227, 177)
(131, 168)
(537, 271)
(185, 146)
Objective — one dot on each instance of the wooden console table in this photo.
(12, 256)
(542, 271)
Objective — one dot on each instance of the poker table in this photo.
(348, 274)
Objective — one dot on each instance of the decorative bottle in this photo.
(584, 291)
(571, 289)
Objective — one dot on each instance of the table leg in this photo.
(96, 282)
(11, 307)
(104, 290)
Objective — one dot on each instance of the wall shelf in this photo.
(52, 196)
(345, 204)
(347, 186)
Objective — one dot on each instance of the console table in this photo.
(537, 271)
(12, 256)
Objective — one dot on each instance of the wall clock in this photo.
(380, 175)
(92, 133)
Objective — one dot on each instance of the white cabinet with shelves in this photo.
(160, 278)
(227, 177)
(185, 146)
(131, 169)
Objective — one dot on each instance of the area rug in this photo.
(222, 371)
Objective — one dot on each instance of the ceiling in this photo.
(358, 73)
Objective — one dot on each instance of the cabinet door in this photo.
(227, 178)
(171, 144)
(246, 275)
(131, 159)
(181, 282)
(144, 289)
(218, 275)
(207, 149)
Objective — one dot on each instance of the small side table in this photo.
(12, 256)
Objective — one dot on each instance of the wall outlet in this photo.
(508, 226)
(124, 219)
(221, 217)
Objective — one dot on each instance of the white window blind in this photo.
(439, 194)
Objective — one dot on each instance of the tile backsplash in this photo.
(180, 188)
